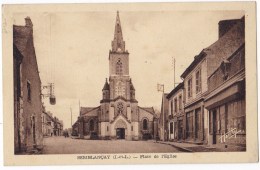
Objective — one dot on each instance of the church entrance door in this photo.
(120, 133)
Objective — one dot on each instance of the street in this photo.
(62, 145)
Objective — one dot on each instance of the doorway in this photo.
(34, 130)
(120, 133)
(189, 125)
(214, 128)
(197, 123)
(180, 128)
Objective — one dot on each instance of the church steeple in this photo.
(118, 44)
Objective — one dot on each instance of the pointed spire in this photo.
(106, 86)
(131, 85)
(117, 18)
(28, 22)
(118, 44)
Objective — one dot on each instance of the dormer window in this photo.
(225, 67)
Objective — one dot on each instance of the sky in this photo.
(72, 52)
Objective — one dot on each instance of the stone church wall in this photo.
(104, 112)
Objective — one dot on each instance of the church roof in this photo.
(148, 109)
(85, 110)
(75, 123)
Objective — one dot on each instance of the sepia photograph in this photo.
(138, 82)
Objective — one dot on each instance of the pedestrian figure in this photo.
(156, 138)
(65, 134)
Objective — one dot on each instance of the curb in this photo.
(178, 147)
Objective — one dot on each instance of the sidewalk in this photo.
(189, 147)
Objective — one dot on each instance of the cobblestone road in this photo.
(61, 145)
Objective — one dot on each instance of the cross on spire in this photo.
(118, 44)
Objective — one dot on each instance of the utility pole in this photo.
(71, 116)
(160, 88)
(174, 70)
(79, 107)
(173, 63)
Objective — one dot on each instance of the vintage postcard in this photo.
(129, 83)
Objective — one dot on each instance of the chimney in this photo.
(28, 22)
(225, 25)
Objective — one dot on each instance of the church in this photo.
(118, 116)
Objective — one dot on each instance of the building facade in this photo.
(51, 125)
(226, 101)
(47, 123)
(176, 120)
(58, 127)
(226, 98)
(27, 91)
(118, 116)
(195, 85)
(196, 82)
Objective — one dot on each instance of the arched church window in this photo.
(120, 108)
(91, 125)
(145, 124)
(119, 67)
